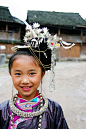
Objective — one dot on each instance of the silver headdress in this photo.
(41, 43)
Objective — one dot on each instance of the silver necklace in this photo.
(15, 110)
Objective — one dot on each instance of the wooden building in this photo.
(70, 26)
(11, 31)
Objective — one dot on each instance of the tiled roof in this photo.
(55, 18)
(18, 20)
(5, 15)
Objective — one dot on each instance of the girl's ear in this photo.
(10, 73)
(43, 74)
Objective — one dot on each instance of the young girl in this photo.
(29, 109)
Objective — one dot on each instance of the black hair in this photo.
(21, 52)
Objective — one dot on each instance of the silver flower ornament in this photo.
(36, 25)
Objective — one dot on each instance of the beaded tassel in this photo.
(40, 117)
(11, 120)
(52, 78)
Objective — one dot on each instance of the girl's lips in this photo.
(26, 88)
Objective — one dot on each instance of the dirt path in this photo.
(70, 90)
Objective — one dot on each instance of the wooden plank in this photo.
(72, 52)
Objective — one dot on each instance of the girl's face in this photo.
(26, 76)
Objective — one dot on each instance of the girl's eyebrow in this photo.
(17, 70)
(32, 70)
(28, 70)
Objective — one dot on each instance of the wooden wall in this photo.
(72, 52)
(8, 48)
(83, 49)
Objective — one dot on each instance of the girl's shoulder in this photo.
(54, 106)
(4, 104)
(4, 115)
(55, 111)
(53, 103)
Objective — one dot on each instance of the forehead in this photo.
(25, 59)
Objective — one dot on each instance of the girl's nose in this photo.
(25, 80)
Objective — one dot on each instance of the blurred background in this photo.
(67, 20)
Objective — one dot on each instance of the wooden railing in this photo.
(75, 39)
(9, 36)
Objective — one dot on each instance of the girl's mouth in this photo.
(26, 88)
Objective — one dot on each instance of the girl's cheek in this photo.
(16, 79)
(36, 80)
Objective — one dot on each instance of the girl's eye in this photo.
(17, 74)
(32, 73)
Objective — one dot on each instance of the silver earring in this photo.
(41, 86)
(12, 90)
